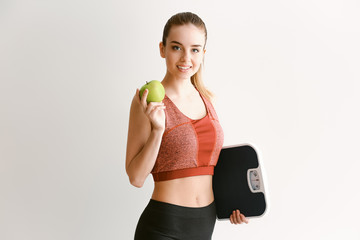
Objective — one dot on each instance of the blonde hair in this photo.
(182, 19)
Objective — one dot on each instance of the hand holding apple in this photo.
(156, 91)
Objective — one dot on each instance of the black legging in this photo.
(165, 221)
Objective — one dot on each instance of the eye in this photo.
(195, 50)
(176, 48)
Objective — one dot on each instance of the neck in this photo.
(178, 87)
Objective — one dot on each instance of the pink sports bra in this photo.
(189, 147)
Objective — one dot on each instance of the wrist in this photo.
(158, 131)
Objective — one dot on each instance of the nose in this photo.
(185, 56)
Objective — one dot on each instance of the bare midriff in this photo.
(193, 191)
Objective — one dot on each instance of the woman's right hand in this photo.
(154, 111)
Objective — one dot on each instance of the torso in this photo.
(194, 191)
(189, 192)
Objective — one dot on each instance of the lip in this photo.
(183, 68)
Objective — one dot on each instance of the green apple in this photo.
(156, 91)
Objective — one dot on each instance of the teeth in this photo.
(183, 67)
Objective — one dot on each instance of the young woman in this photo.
(178, 141)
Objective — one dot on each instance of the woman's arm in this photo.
(146, 127)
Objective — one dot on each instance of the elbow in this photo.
(136, 181)
(135, 178)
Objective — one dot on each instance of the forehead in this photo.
(187, 34)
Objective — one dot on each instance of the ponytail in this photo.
(197, 81)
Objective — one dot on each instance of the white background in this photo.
(286, 76)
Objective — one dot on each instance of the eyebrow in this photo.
(195, 45)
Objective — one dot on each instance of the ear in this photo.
(203, 55)
(162, 49)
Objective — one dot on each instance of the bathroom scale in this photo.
(239, 182)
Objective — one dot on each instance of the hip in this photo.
(162, 220)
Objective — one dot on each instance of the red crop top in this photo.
(189, 147)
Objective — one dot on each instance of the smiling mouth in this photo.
(184, 67)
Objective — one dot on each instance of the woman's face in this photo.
(184, 50)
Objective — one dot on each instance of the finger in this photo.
(244, 219)
(232, 219)
(144, 97)
(235, 220)
(155, 110)
(238, 219)
(149, 107)
(153, 106)
(137, 96)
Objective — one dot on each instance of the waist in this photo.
(182, 173)
(181, 212)
(195, 191)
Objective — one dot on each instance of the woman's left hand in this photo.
(238, 218)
